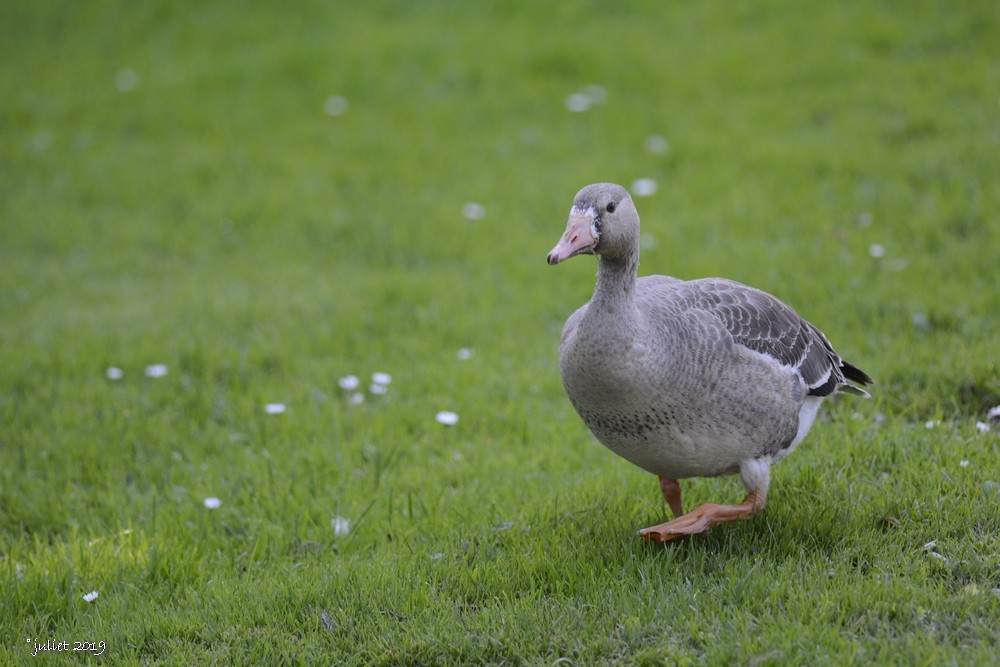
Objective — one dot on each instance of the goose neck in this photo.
(616, 282)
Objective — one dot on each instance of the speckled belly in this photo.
(681, 443)
(679, 424)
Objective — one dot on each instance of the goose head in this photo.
(603, 221)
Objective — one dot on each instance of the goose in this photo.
(686, 379)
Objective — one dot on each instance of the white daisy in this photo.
(156, 370)
(349, 382)
(335, 105)
(656, 144)
(446, 417)
(126, 79)
(340, 525)
(644, 187)
(473, 211)
(578, 102)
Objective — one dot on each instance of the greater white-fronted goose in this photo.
(688, 378)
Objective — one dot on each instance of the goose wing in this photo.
(766, 325)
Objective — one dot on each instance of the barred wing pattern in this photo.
(766, 325)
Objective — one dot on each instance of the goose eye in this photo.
(611, 207)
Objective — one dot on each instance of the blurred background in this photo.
(214, 215)
(389, 175)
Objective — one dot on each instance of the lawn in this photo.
(212, 215)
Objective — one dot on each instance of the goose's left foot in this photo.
(703, 518)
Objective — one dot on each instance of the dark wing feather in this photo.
(766, 325)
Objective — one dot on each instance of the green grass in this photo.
(212, 217)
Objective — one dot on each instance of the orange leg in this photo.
(703, 518)
(671, 489)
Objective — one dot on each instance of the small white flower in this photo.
(865, 219)
(126, 79)
(114, 373)
(656, 144)
(378, 389)
(473, 211)
(274, 408)
(465, 353)
(91, 596)
(876, 250)
(340, 525)
(644, 187)
(381, 378)
(578, 102)
(357, 398)
(983, 427)
(437, 556)
(994, 413)
(964, 463)
(349, 382)
(930, 424)
(212, 503)
(447, 418)
(335, 105)
(156, 370)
